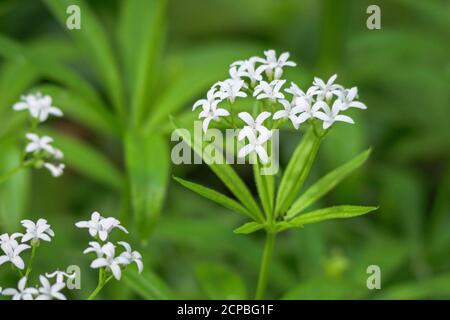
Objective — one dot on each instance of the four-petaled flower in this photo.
(290, 111)
(253, 124)
(348, 96)
(39, 143)
(22, 292)
(275, 65)
(231, 89)
(308, 109)
(256, 144)
(39, 106)
(110, 261)
(12, 251)
(326, 90)
(131, 256)
(248, 69)
(49, 291)
(211, 112)
(40, 230)
(329, 116)
(101, 226)
(265, 90)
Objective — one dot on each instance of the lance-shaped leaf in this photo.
(265, 184)
(148, 285)
(248, 227)
(325, 184)
(297, 170)
(148, 165)
(215, 196)
(223, 171)
(337, 212)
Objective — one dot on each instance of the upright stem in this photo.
(30, 264)
(264, 270)
(100, 285)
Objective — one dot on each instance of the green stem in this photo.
(30, 264)
(100, 285)
(265, 262)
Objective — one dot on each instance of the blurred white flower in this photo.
(211, 112)
(48, 291)
(109, 261)
(22, 292)
(56, 170)
(132, 256)
(329, 116)
(265, 90)
(60, 275)
(290, 111)
(40, 230)
(325, 90)
(39, 143)
(275, 65)
(231, 89)
(255, 145)
(39, 106)
(12, 251)
(347, 97)
(100, 226)
(253, 124)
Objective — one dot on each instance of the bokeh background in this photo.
(134, 63)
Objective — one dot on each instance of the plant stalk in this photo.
(265, 262)
(30, 264)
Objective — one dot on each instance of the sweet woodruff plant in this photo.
(316, 110)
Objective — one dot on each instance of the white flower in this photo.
(39, 106)
(109, 261)
(39, 143)
(60, 275)
(248, 69)
(210, 99)
(347, 98)
(330, 116)
(55, 170)
(132, 256)
(275, 65)
(7, 239)
(326, 90)
(94, 247)
(253, 124)
(265, 90)
(308, 109)
(101, 226)
(255, 145)
(58, 154)
(12, 251)
(48, 291)
(231, 89)
(21, 293)
(298, 93)
(40, 230)
(211, 112)
(290, 111)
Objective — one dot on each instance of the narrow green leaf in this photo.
(93, 40)
(85, 159)
(297, 170)
(148, 285)
(325, 184)
(224, 171)
(220, 282)
(265, 184)
(248, 227)
(148, 165)
(142, 31)
(215, 196)
(337, 212)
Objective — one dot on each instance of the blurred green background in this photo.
(134, 63)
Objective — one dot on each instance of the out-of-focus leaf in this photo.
(85, 159)
(249, 227)
(337, 212)
(220, 282)
(147, 285)
(224, 171)
(142, 35)
(215, 196)
(325, 184)
(148, 165)
(297, 170)
(14, 191)
(93, 40)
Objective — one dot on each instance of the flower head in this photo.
(325, 91)
(56, 170)
(274, 65)
(212, 112)
(253, 124)
(132, 256)
(110, 261)
(48, 291)
(265, 90)
(22, 292)
(39, 106)
(231, 89)
(39, 144)
(248, 69)
(290, 111)
(348, 96)
(40, 230)
(100, 226)
(12, 251)
(329, 116)
(256, 144)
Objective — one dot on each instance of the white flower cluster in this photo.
(261, 78)
(39, 149)
(100, 228)
(13, 245)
